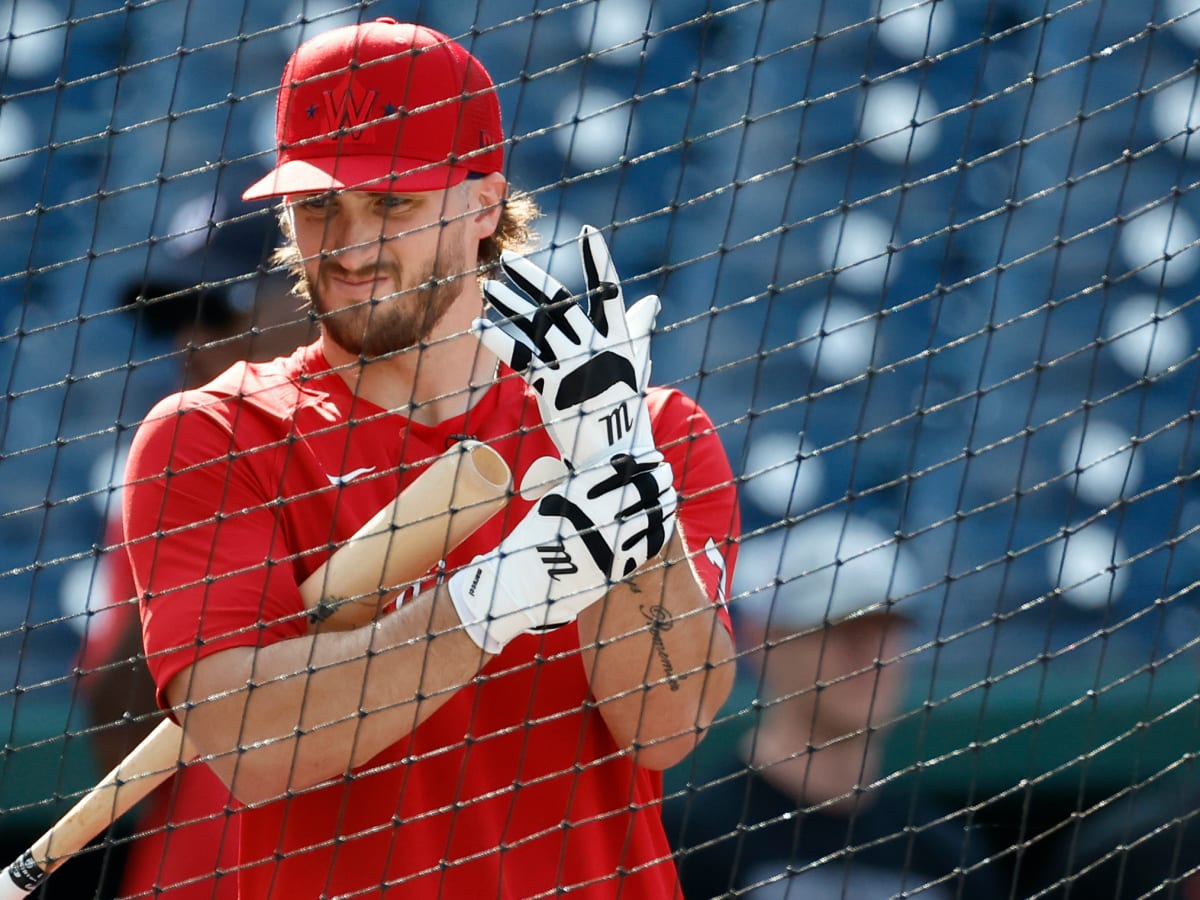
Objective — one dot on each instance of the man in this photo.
(797, 811)
(502, 731)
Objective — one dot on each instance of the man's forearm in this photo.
(659, 661)
(294, 714)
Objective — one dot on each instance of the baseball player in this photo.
(500, 729)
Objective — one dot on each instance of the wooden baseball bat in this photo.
(459, 491)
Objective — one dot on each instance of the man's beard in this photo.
(391, 324)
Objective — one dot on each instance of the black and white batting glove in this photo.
(589, 367)
(579, 539)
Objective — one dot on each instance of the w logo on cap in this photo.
(348, 111)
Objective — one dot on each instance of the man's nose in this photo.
(353, 244)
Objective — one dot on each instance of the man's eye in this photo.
(393, 201)
(317, 203)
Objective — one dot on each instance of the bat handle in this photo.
(151, 763)
(21, 877)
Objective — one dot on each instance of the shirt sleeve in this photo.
(709, 516)
(203, 538)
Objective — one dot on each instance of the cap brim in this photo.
(354, 173)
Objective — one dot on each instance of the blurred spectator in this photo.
(795, 809)
(214, 300)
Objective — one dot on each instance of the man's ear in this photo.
(286, 218)
(487, 199)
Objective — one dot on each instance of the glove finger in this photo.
(541, 287)
(640, 319)
(508, 345)
(508, 302)
(603, 284)
(556, 310)
(522, 316)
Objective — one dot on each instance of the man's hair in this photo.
(514, 233)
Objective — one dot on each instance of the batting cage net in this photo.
(928, 272)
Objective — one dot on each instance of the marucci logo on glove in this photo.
(557, 560)
(475, 582)
(618, 422)
(558, 505)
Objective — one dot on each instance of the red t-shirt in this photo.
(514, 787)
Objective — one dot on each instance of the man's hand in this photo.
(589, 368)
(577, 541)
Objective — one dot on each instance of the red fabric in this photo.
(186, 843)
(514, 784)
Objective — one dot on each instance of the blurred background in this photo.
(929, 265)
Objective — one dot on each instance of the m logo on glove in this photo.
(557, 560)
(618, 422)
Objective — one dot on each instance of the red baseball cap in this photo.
(382, 106)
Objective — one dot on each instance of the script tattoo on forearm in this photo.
(660, 620)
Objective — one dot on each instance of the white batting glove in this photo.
(577, 541)
(589, 368)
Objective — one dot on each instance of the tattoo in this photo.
(322, 611)
(660, 620)
(327, 606)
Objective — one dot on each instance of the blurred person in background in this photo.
(795, 810)
(212, 301)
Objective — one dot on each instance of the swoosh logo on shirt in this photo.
(715, 557)
(347, 477)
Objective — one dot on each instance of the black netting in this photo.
(930, 268)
